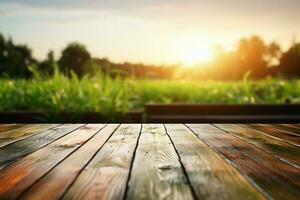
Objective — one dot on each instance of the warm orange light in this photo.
(194, 52)
(195, 56)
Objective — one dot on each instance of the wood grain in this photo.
(282, 150)
(9, 127)
(17, 150)
(105, 177)
(275, 178)
(210, 175)
(54, 184)
(156, 172)
(151, 161)
(23, 173)
(274, 132)
(297, 126)
(22, 132)
(288, 128)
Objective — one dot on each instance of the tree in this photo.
(14, 59)
(274, 54)
(73, 58)
(224, 65)
(47, 66)
(251, 53)
(290, 61)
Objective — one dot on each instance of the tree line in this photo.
(252, 56)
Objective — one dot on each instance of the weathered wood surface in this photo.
(58, 180)
(207, 170)
(8, 127)
(23, 173)
(275, 133)
(297, 126)
(12, 152)
(288, 128)
(156, 172)
(22, 132)
(279, 148)
(105, 177)
(150, 161)
(271, 174)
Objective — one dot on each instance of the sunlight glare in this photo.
(196, 56)
(191, 53)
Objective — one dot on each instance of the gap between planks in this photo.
(273, 177)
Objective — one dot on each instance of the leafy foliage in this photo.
(73, 58)
(290, 62)
(110, 96)
(14, 59)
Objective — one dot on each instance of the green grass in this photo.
(238, 92)
(110, 96)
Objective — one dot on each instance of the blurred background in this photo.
(116, 56)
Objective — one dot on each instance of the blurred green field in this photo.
(108, 96)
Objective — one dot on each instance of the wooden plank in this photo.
(23, 132)
(282, 150)
(55, 183)
(275, 133)
(15, 179)
(105, 177)
(9, 127)
(210, 175)
(156, 172)
(275, 178)
(297, 126)
(15, 151)
(284, 128)
(289, 128)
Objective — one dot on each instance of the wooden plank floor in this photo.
(150, 161)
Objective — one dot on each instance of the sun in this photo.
(195, 56)
(192, 52)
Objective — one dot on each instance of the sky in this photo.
(148, 31)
